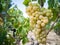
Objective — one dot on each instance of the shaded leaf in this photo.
(41, 2)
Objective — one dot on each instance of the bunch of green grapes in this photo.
(39, 17)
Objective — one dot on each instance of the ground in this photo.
(52, 39)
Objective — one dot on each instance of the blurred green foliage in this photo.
(54, 6)
(5, 5)
(19, 22)
(4, 40)
(41, 2)
(15, 19)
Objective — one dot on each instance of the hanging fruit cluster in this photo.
(39, 17)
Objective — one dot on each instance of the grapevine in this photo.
(39, 18)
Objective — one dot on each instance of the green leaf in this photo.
(26, 2)
(55, 14)
(11, 38)
(51, 3)
(25, 39)
(3, 34)
(1, 8)
(41, 2)
(47, 26)
(59, 1)
(57, 26)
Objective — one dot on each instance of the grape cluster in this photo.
(39, 17)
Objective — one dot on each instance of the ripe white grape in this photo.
(49, 11)
(43, 40)
(30, 4)
(39, 30)
(48, 14)
(41, 16)
(42, 24)
(38, 22)
(37, 26)
(45, 21)
(44, 12)
(35, 8)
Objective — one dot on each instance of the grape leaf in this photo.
(51, 3)
(55, 14)
(1, 8)
(47, 26)
(59, 1)
(41, 2)
(57, 26)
